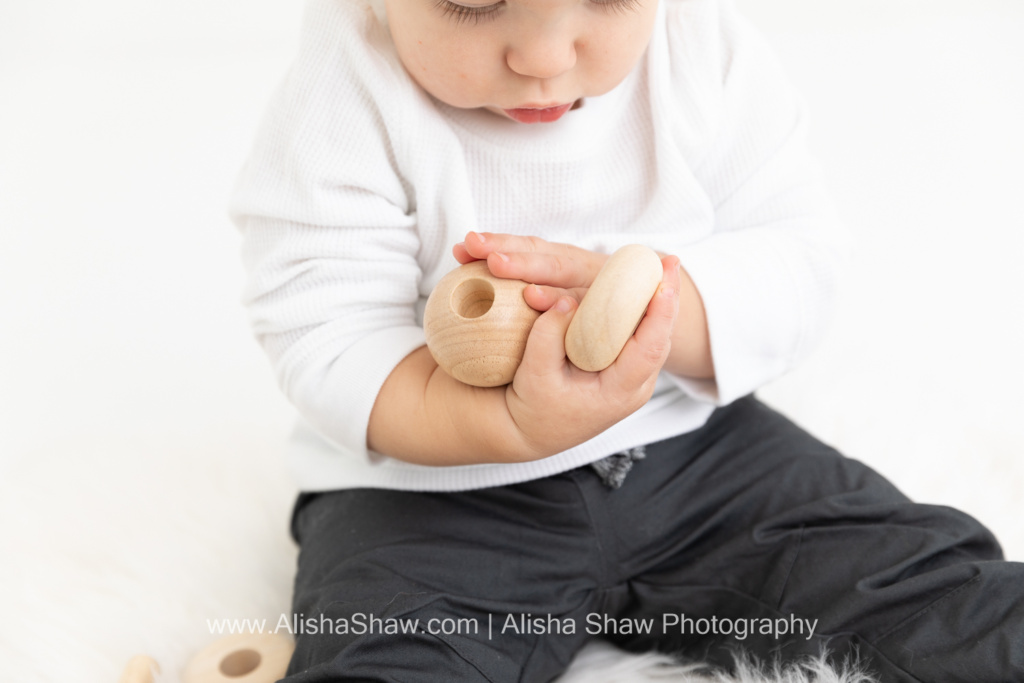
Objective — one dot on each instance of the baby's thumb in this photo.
(545, 347)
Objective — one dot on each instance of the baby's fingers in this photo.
(543, 297)
(462, 255)
(480, 245)
(562, 266)
(545, 347)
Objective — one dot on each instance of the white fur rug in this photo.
(601, 663)
(141, 490)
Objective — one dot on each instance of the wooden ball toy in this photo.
(241, 658)
(613, 307)
(476, 325)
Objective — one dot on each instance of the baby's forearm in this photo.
(690, 355)
(425, 417)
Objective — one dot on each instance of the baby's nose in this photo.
(543, 55)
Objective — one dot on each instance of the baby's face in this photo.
(528, 60)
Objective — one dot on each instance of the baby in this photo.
(451, 532)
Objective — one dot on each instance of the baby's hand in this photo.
(555, 405)
(556, 269)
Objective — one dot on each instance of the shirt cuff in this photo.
(344, 398)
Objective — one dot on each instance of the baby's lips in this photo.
(541, 115)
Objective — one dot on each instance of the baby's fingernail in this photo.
(503, 257)
(478, 236)
(460, 244)
(668, 292)
(563, 305)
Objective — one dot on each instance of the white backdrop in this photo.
(140, 486)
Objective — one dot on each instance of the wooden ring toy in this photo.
(613, 307)
(238, 658)
(241, 658)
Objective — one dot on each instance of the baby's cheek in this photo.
(455, 85)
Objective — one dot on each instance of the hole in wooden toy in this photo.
(473, 298)
(240, 663)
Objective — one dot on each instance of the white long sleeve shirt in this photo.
(360, 184)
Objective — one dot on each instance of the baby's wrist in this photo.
(514, 443)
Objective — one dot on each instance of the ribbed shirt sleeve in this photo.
(328, 225)
(768, 273)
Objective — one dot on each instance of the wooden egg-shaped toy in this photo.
(140, 669)
(613, 307)
(241, 658)
(476, 325)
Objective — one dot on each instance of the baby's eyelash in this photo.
(465, 13)
(618, 5)
(460, 13)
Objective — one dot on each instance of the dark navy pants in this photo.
(738, 536)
